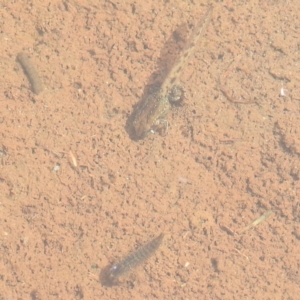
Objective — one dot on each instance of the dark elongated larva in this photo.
(31, 73)
(134, 259)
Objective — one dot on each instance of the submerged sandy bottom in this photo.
(77, 194)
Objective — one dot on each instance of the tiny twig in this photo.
(257, 221)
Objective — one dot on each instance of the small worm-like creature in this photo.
(30, 72)
(132, 260)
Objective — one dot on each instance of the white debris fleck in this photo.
(283, 92)
(56, 167)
